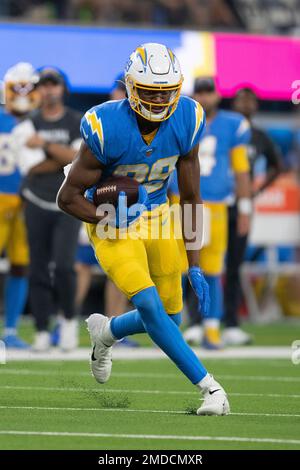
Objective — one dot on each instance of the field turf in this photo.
(147, 404)
(281, 333)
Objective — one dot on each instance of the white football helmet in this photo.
(151, 68)
(20, 88)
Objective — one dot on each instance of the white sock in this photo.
(211, 323)
(206, 383)
(108, 337)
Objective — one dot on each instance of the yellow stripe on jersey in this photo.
(239, 159)
(199, 119)
(149, 137)
(96, 126)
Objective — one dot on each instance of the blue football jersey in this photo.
(10, 176)
(111, 132)
(224, 133)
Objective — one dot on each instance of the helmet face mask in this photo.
(20, 88)
(142, 100)
(21, 97)
(153, 82)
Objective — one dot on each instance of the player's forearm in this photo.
(243, 185)
(244, 203)
(47, 166)
(75, 204)
(193, 257)
(62, 154)
(192, 227)
(84, 173)
(188, 170)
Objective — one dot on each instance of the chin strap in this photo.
(152, 116)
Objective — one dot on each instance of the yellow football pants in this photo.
(212, 255)
(13, 239)
(141, 261)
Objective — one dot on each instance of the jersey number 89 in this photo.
(153, 177)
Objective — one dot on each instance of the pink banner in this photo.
(268, 65)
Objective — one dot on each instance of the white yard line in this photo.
(152, 437)
(98, 390)
(268, 415)
(138, 391)
(269, 395)
(43, 372)
(130, 410)
(121, 353)
(121, 410)
(259, 378)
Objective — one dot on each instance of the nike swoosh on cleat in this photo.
(213, 391)
(93, 355)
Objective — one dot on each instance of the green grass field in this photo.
(148, 404)
(280, 333)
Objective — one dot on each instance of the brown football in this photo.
(107, 191)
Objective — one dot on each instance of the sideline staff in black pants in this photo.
(52, 234)
(246, 103)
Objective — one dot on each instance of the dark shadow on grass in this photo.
(190, 409)
(101, 398)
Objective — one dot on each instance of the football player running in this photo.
(21, 97)
(145, 137)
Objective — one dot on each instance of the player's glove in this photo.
(200, 288)
(125, 216)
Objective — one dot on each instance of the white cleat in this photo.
(194, 335)
(68, 334)
(235, 336)
(215, 401)
(42, 341)
(101, 339)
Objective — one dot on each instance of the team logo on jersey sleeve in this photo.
(95, 124)
(199, 119)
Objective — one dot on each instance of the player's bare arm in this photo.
(243, 193)
(188, 170)
(85, 172)
(62, 154)
(46, 166)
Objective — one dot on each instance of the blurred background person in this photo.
(260, 146)
(224, 170)
(52, 235)
(21, 97)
